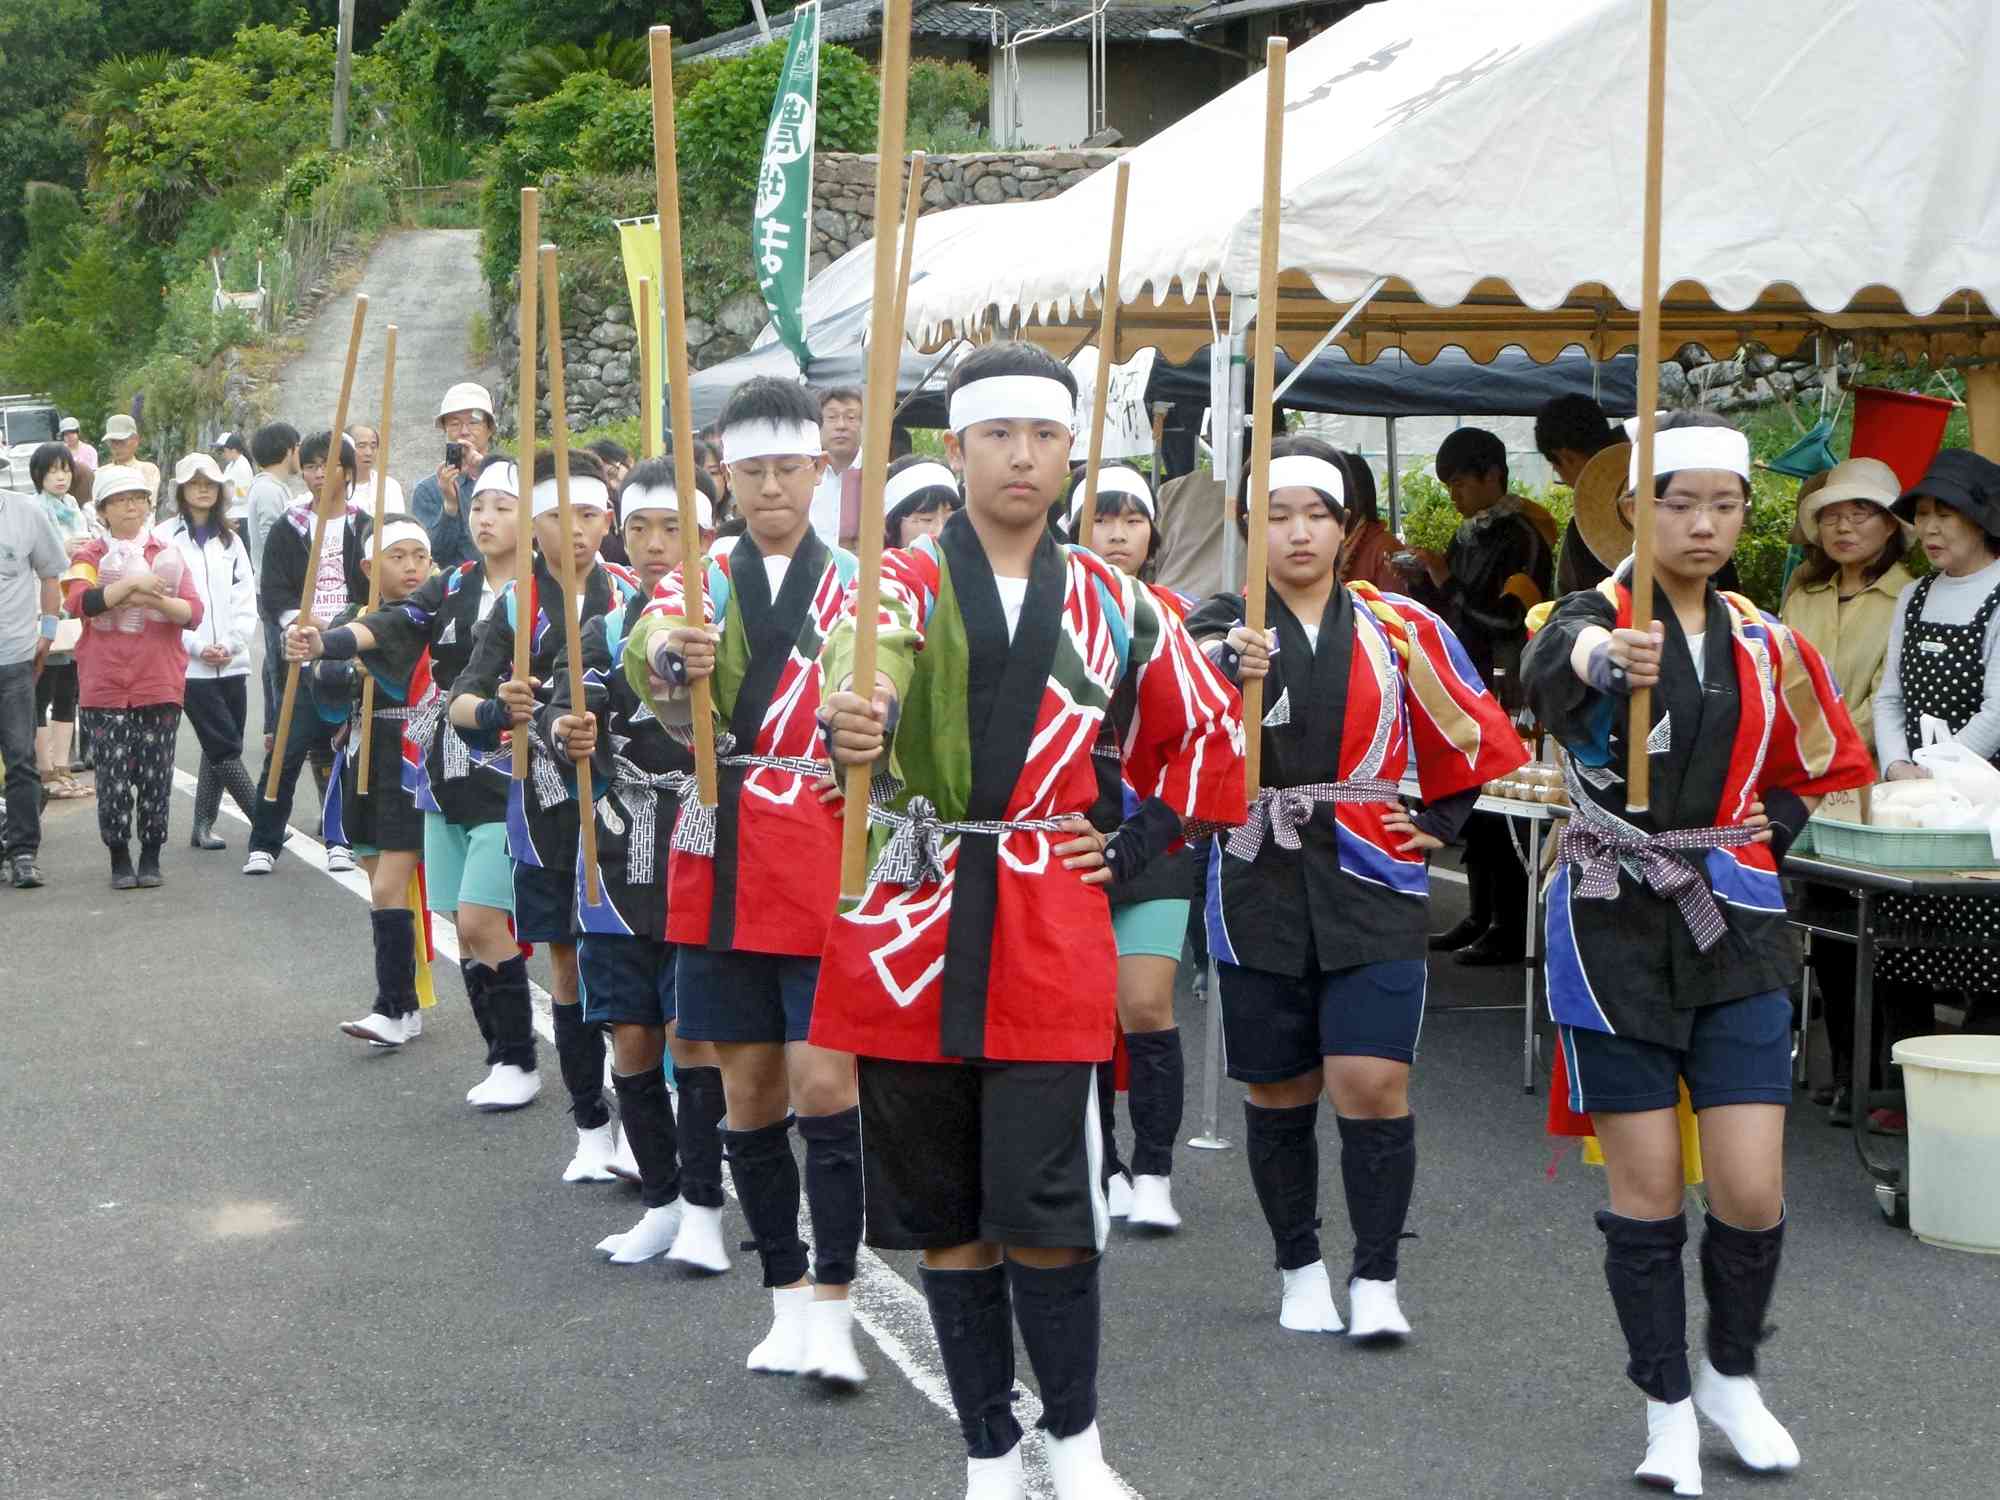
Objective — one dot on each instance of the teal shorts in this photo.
(467, 866)
(1157, 929)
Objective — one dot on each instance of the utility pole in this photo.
(343, 67)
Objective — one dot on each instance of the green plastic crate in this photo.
(1902, 848)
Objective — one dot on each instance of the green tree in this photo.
(540, 71)
(721, 123)
(45, 48)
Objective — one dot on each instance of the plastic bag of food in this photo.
(1923, 804)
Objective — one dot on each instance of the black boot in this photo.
(512, 1014)
(1642, 1266)
(1739, 1270)
(974, 1323)
(1378, 1168)
(580, 1054)
(648, 1117)
(1107, 1118)
(149, 876)
(1159, 1087)
(207, 803)
(122, 878)
(395, 960)
(833, 1192)
(236, 781)
(700, 1123)
(767, 1182)
(1282, 1148)
(1057, 1312)
(1453, 938)
(476, 974)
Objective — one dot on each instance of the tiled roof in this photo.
(861, 20)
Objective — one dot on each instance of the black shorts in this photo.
(744, 997)
(1740, 1052)
(1275, 1027)
(628, 980)
(544, 904)
(1004, 1152)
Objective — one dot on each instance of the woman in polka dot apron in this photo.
(1944, 663)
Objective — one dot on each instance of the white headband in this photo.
(503, 478)
(1114, 481)
(632, 500)
(917, 477)
(1695, 448)
(585, 490)
(397, 531)
(1307, 472)
(761, 439)
(1022, 398)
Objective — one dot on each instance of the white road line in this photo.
(891, 1311)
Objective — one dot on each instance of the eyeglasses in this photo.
(1686, 510)
(1853, 517)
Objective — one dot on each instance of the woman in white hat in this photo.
(440, 501)
(218, 668)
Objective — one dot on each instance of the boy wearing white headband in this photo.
(542, 827)
(1669, 963)
(639, 775)
(1318, 908)
(753, 884)
(383, 826)
(977, 978)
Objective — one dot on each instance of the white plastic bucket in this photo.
(1952, 1087)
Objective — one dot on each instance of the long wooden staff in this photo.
(1107, 351)
(375, 544)
(913, 207)
(673, 296)
(524, 556)
(1264, 359)
(1639, 765)
(885, 349)
(586, 801)
(648, 446)
(332, 490)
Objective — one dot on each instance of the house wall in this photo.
(1052, 98)
(1149, 86)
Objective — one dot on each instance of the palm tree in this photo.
(114, 92)
(540, 71)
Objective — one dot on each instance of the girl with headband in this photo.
(976, 978)
(922, 494)
(752, 883)
(1668, 959)
(1318, 908)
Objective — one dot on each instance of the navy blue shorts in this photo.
(627, 980)
(544, 904)
(1275, 1027)
(1740, 1053)
(745, 997)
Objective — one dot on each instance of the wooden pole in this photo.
(374, 543)
(524, 390)
(1639, 729)
(1264, 360)
(885, 348)
(331, 492)
(1107, 351)
(673, 296)
(586, 802)
(649, 445)
(913, 207)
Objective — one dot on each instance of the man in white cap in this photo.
(440, 500)
(121, 436)
(71, 433)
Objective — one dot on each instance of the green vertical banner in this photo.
(781, 227)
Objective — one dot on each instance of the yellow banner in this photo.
(639, 243)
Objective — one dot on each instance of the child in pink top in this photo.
(135, 599)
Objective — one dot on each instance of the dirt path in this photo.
(426, 282)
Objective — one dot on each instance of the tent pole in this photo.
(1353, 312)
(1395, 479)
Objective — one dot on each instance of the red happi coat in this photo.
(1010, 956)
(775, 877)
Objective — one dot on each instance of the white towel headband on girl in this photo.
(1016, 398)
(1695, 448)
(915, 478)
(1115, 481)
(585, 491)
(1307, 472)
(761, 439)
(502, 478)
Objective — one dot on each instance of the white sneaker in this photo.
(996, 1478)
(1733, 1403)
(413, 1025)
(1373, 1313)
(1673, 1448)
(1307, 1305)
(699, 1244)
(783, 1351)
(610, 1243)
(594, 1150)
(1118, 1195)
(382, 1031)
(831, 1357)
(649, 1237)
(622, 1164)
(506, 1087)
(1078, 1470)
(1153, 1204)
(259, 863)
(339, 859)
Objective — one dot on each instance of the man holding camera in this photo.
(440, 500)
